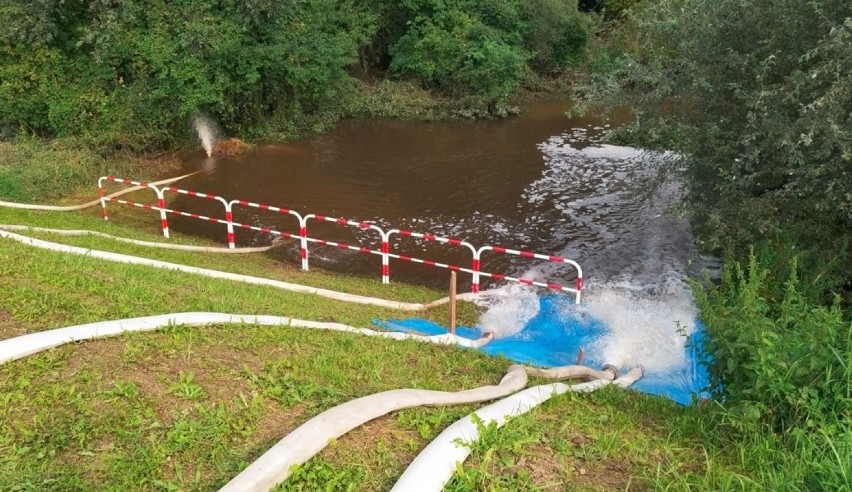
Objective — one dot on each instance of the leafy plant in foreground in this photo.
(782, 368)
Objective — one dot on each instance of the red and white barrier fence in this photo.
(442, 240)
(229, 218)
(303, 231)
(161, 201)
(363, 226)
(385, 237)
(477, 256)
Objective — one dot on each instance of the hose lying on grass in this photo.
(432, 468)
(275, 465)
(304, 289)
(72, 208)
(24, 345)
(436, 464)
(137, 242)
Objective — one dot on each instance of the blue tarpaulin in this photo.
(553, 339)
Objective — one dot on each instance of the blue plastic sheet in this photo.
(552, 339)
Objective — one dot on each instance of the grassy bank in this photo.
(138, 225)
(188, 408)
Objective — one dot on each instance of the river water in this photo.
(540, 182)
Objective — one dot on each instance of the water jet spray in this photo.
(204, 128)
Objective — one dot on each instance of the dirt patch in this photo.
(155, 370)
(385, 429)
(382, 448)
(10, 328)
(230, 147)
(541, 463)
(605, 475)
(277, 422)
(163, 162)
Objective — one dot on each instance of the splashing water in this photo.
(642, 329)
(509, 309)
(637, 307)
(632, 325)
(206, 134)
(634, 312)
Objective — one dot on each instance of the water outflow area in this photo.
(613, 327)
(539, 182)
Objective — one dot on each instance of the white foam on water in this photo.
(605, 151)
(635, 273)
(646, 324)
(509, 309)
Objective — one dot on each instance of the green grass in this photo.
(40, 170)
(187, 408)
(139, 225)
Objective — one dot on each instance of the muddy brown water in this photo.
(539, 181)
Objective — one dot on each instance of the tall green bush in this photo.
(777, 356)
(756, 96)
(781, 366)
(556, 33)
(487, 47)
(462, 49)
(107, 71)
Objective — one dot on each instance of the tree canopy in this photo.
(125, 73)
(758, 97)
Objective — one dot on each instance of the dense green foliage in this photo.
(139, 69)
(757, 96)
(757, 99)
(789, 359)
(615, 8)
(486, 47)
(783, 366)
(129, 75)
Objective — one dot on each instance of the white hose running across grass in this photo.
(72, 208)
(432, 468)
(24, 345)
(275, 465)
(248, 279)
(137, 242)
(436, 464)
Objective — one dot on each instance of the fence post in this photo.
(101, 194)
(579, 287)
(474, 286)
(385, 258)
(303, 234)
(453, 302)
(161, 203)
(229, 218)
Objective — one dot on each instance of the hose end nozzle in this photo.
(611, 368)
